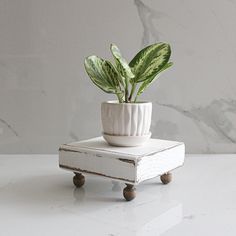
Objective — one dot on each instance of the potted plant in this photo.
(126, 122)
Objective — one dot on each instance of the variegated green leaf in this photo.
(112, 75)
(94, 67)
(147, 82)
(121, 63)
(149, 61)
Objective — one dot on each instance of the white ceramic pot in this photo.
(126, 124)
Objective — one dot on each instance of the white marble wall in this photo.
(47, 99)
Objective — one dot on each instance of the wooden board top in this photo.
(99, 145)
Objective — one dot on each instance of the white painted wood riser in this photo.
(120, 167)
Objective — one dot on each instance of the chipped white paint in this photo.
(130, 165)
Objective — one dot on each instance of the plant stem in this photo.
(126, 90)
(119, 98)
(136, 97)
(132, 91)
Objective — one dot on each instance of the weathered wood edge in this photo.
(127, 161)
(98, 155)
(95, 173)
(70, 150)
(154, 153)
(62, 148)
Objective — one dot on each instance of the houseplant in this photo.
(126, 122)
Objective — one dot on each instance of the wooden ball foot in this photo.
(129, 192)
(166, 178)
(78, 180)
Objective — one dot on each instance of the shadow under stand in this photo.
(130, 165)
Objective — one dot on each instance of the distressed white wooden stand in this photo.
(130, 165)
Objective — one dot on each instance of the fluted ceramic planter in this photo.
(126, 124)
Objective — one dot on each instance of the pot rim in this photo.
(116, 102)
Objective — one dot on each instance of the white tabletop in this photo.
(38, 198)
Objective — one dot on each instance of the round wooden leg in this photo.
(78, 180)
(129, 192)
(166, 178)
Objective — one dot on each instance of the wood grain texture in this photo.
(130, 165)
(95, 173)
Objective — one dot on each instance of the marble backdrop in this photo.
(47, 99)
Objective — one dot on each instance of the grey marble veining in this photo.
(147, 15)
(8, 126)
(47, 99)
(215, 121)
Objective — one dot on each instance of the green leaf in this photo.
(98, 71)
(149, 61)
(147, 82)
(121, 63)
(112, 75)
